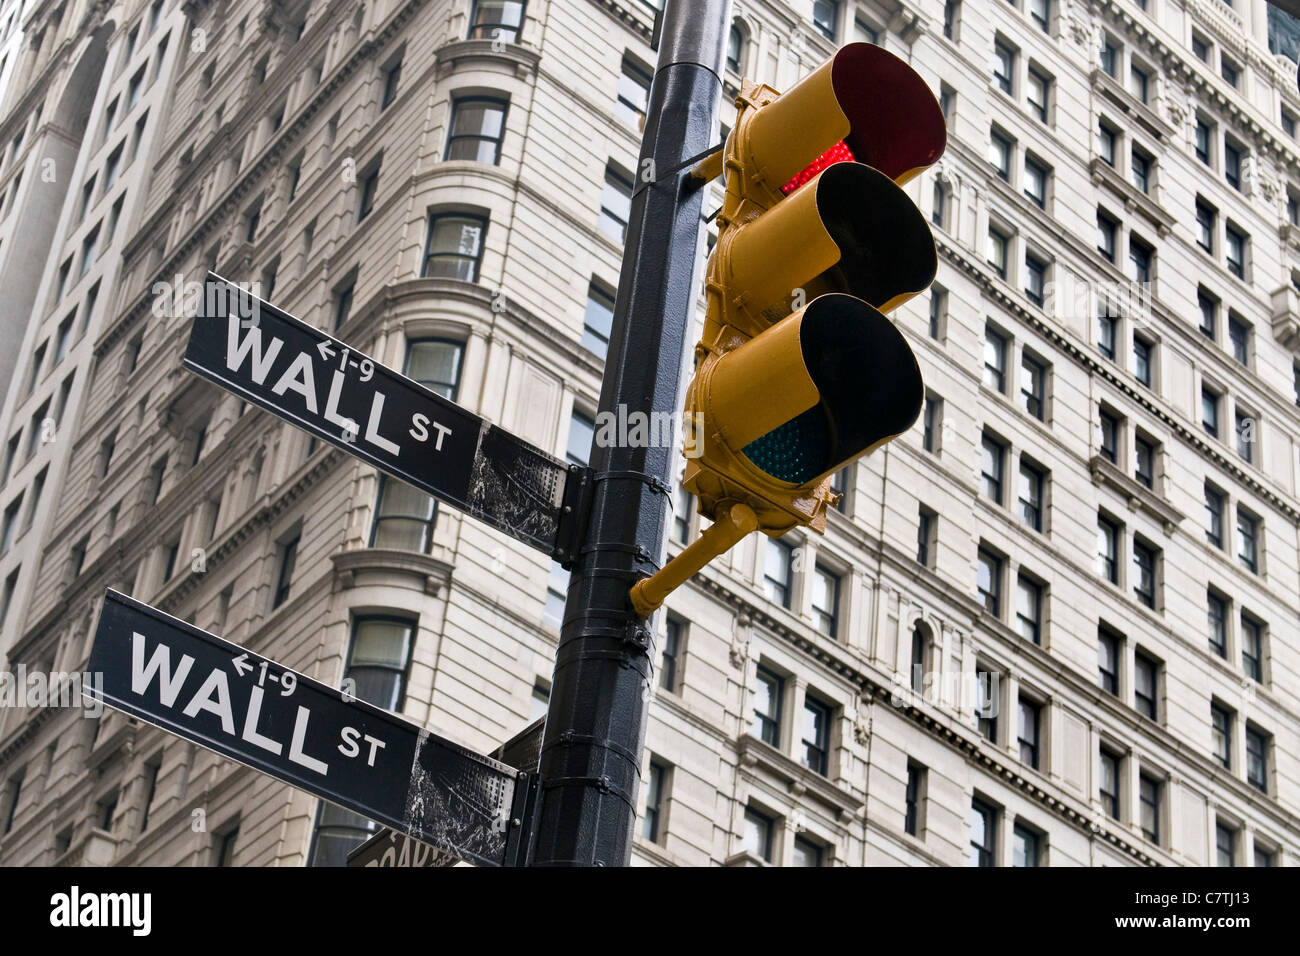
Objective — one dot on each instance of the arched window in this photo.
(735, 48)
(919, 659)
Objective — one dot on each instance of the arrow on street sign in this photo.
(323, 386)
(268, 717)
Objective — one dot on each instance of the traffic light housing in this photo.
(798, 370)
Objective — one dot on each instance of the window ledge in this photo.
(1134, 199)
(1111, 88)
(744, 858)
(1139, 496)
(522, 60)
(757, 753)
(349, 566)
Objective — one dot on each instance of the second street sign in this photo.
(321, 385)
(215, 693)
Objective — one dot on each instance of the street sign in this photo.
(323, 386)
(389, 848)
(320, 739)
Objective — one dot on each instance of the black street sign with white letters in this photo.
(320, 739)
(318, 383)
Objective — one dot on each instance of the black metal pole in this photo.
(595, 725)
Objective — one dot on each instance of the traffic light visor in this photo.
(815, 391)
(867, 97)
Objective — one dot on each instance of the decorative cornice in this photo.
(1137, 494)
(434, 574)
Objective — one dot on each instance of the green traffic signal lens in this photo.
(797, 451)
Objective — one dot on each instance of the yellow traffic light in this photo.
(799, 371)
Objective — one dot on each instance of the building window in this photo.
(654, 793)
(1029, 609)
(1032, 482)
(1144, 470)
(225, 842)
(926, 537)
(1221, 735)
(477, 127)
(343, 297)
(920, 646)
(1108, 784)
(1225, 844)
(986, 704)
(1256, 759)
(826, 600)
(1149, 799)
(615, 205)
(1108, 661)
(682, 511)
(995, 360)
(1107, 139)
(951, 18)
(778, 571)
(1110, 425)
(1140, 255)
(992, 455)
(806, 853)
(1040, 11)
(768, 694)
(816, 739)
(999, 243)
(1108, 549)
(735, 48)
(1209, 308)
(670, 668)
(758, 835)
(1027, 738)
(989, 582)
(1024, 847)
(1234, 242)
(1109, 56)
(939, 215)
(1210, 411)
(1139, 170)
(1107, 229)
(392, 81)
(1203, 138)
(1263, 857)
(369, 189)
(983, 821)
(496, 20)
(1004, 66)
(404, 517)
(1000, 154)
(1217, 622)
(1038, 94)
(455, 247)
(1144, 573)
(1246, 436)
(1205, 226)
(1033, 386)
(539, 700)
(912, 798)
(826, 16)
(1232, 165)
(1144, 685)
(1252, 648)
(939, 315)
(1139, 83)
(1142, 353)
(1248, 540)
(633, 93)
(932, 420)
(288, 559)
(1239, 339)
(1035, 278)
(378, 660)
(598, 321)
(1036, 177)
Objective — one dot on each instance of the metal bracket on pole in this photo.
(574, 513)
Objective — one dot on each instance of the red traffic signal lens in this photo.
(839, 153)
